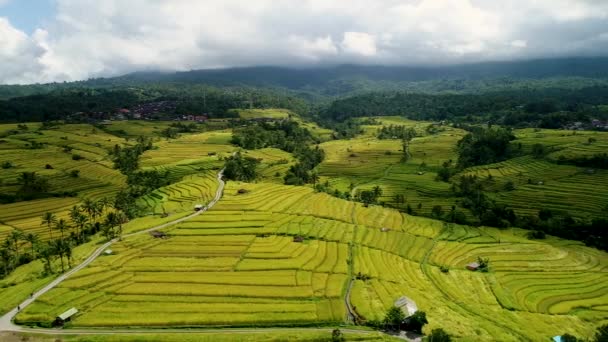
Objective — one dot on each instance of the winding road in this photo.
(6, 321)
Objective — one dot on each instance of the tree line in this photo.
(85, 220)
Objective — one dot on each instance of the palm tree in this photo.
(49, 219)
(110, 222)
(79, 220)
(90, 208)
(46, 251)
(5, 260)
(33, 239)
(57, 249)
(120, 219)
(62, 225)
(14, 240)
(100, 206)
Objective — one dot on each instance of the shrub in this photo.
(337, 336)
(48, 167)
(76, 157)
(74, 173)
(444, 269)
(536, 234)
(7, 165)
(484, 264)
(417, 321)
(439, 335)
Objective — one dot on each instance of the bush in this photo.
(7, 165)
(536, 235)
(337, 336)
(444, 269)
(48, 167)
(76, 157)
(439, 335)
(74, 173)
(417, 321)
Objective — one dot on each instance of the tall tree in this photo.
(33, 239)
(79, 220)
(62, 226)
(49, 219)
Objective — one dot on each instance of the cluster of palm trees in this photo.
(86, 219)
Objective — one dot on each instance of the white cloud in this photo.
(91, 38)
(19, 55)
(312, 49)
(518, 43)
(359, 43)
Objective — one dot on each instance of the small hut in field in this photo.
(65, 317)
(474, 266)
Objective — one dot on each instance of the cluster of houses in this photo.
(145, 110)
(599, 124)
(579, 125)
(194, 118)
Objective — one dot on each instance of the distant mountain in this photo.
(323, 82)
(297, 78)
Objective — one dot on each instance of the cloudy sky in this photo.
(57, 40)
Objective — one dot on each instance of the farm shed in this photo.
(198, 207)
(65, 317)
(298, 239)
(157, 234)
(474, 266)
(406, 305)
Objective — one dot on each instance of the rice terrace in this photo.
(394, 185)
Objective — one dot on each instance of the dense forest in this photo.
(541, 107)
(215, 102)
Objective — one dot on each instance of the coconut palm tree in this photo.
(14, 240)
(33, 239)
(108, 225)
(47, 252)
(62, 226)
(57, 249)
(79, 220)
(49, 219)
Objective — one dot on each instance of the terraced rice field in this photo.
(249, 114)
(187, 157)
(562, 188)
(243, 263)
(213, 270)
(188, 149)
(181, 196)
(239, 265)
